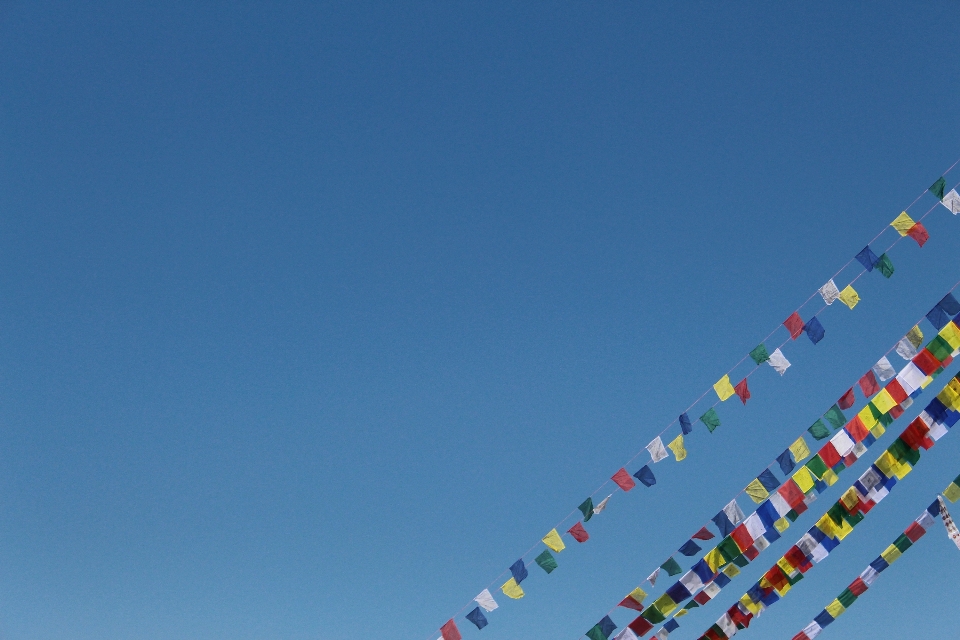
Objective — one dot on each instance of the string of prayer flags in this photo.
(829, 293)
(449, 631)
(685, 425)
(794, 325)
(518, 571)
(867, 258)
(676, 445)
(849, 296)
(602, 630)
(476, 617)
(952, 492)
(586, 508)
(485, 600)
(656, 449)
(814, 330)
(937, 188)
(742, 391)
(952, 532)
(779, 362)
(952, 201)
(759, 354)
(723, 388)
(645, 476)
(885, 266)
(710, 419)
(554, 541)
(579, 533)
(603, 505)
(623, 480)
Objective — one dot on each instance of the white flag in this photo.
(830, 292)
(486, 600)
(656, 449)
(603, 505)
(952, 201)
(948, 523)
(626, 634)
(883, 369)
(812, 630)
(652, 578)
(778, 362)
(905, 349)
(734, 512)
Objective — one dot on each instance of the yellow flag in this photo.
(835, 609)
(951, 334)
(803, 479)
(681, 613)
(799, 449)
(638, 594)
(850, 499)
(952, 492)
(511, 589)
(723, 387)
(866, 416)
(886, 463)
(782, 525)
(783, 590)
(553, 541)
(948, 397)
(830, 477)
(890, 554)
(756, 492)
(731, 570)
(915, 336)
(714, 559)
(665, 604)
(849, 296)
(786, 567)
(827, 525)
(752, 607)
(878, 430)
(883, 401)
(902, 223)
(903, 468)
(677, 447)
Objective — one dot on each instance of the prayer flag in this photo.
(952, 201)
(867, 258)
(902, 223)
(759, 354)
(799, 449)
(486, 600)
(948, 523)
(779, 362)
(883, 369)
(623, 480)
(950, 305)
(546, 561)
(677, 447)
(849, 296)
(634, 599)
(657, 452)
(829, 292)
(476, 617)
(511, 589)
(645, 475)
(952, 492)
(652, 578)
(603, 505)
(814, 330)
(868, 384)
(846, 400)
(671, 567)
(794, 325)
(835, 417)
(579, 533)
(586, 508)
(742, 391)
(818, 430)
(685, 425)
(711, 419)
(640, 626)
(786, 462)
(703, 534)
(756, 491)
(919, 233)
(553, 541)
(449, 631)
(518, 571)
(723, 387)
(768, 480)
(690, 548)
(627, 634)
(884, 266)
(937, 188)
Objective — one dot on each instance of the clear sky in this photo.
(315, 317)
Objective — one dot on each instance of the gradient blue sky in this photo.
(314, 317)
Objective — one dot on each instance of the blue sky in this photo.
(315, 317)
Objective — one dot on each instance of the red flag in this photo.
(916, 435)
(919, 233)
(640, 626)
(579, 533)
(858, 587)
(790, 492)
(857, 430)
(868, 384)
(794, 325)
(623, 480)
(829, 455)
(926, 362)
(846, 400)
(896, 391)
(914, 532)
(703, 534)
(449, 631)
(630, 603)
(742, 391)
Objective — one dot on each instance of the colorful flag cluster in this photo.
(868, 576)
(839, 521)
(766, 487)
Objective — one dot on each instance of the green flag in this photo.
(816, 466)
(835, 417)
(846, 598)
(937, 188)
(819, 430)
(596, 633)
(587, 509)
(884, 266)
(711, 419)
(546, 561)
(671, 567)
(759, 354)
